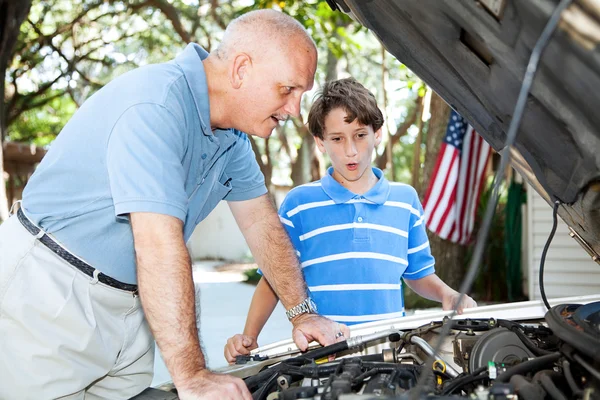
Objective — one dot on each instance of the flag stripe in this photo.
(450, 205)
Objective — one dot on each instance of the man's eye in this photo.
(336, 139)
(288, 89)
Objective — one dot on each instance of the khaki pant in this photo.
(61, 334)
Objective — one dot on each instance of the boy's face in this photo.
(349, 146)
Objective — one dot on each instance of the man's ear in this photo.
(239, 69)
(320, 145)
(378, 136)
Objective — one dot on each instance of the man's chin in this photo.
(264, 134)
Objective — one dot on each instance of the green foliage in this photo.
(490, 284)
(41, 125)
(252, 276)
(67, 50)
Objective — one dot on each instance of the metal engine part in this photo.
(500, 346)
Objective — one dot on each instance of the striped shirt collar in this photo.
(378, 194)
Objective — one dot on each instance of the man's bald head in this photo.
(261, 31)
(258, 74)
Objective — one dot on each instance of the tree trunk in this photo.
(416, 168)
(382, 160)
(450, 258)
(12, 14)
(303, 166)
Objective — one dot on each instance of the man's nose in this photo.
(292, 107)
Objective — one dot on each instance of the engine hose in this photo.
(528, 366)
(570, 379)
(459, 383)
(260, 378)
(263, 391)
(551, 388)
(516, 328)
(402, 373)
(529, 344)
(527, 390)
(320, 353)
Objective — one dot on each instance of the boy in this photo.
(356, 233)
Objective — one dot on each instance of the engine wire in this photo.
(545, 251)
(491, 206)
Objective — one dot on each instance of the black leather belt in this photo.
(70, 258)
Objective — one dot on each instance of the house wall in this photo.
(218, 236)
(568, 270)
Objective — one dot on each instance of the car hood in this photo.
(474, 55)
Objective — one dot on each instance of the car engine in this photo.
(554, 358)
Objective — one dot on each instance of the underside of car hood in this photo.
(474, 55)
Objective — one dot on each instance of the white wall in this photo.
(569, 270)
(218, 236)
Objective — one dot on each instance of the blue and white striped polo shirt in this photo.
(355, 248)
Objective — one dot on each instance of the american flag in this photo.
(453, 193)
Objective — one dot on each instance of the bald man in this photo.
(94, 266)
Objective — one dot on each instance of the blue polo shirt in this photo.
(355, 249)
(142, 143)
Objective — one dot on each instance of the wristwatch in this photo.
(308, 306)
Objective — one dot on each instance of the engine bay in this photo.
(557, 357)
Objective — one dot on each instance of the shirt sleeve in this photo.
(247, 181)
(144, 165)
(420, 261)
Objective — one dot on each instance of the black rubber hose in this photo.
(516, 328)
(261, 377)
(529, 344)
(570, 379)
(528, 366)
(459, 383)
(551, 388)
(527, 390)
(545, 251)
(319, 353)
(262, 392)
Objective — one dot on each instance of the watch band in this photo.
(307, 306)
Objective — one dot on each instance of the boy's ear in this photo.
(239, 69)
(378, 136)
(320, 145)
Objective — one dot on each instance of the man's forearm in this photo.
(168, 299)
(272, 249)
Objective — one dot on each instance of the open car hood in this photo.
(474, 55)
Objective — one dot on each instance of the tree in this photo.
(67, 50)
(12, 14)
(450, 257)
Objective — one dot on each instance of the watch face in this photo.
(312, 305)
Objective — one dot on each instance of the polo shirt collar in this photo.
(378, 194)
(190, 61)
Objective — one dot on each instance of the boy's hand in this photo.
(309, 327)
(238, 345)
(449, 302)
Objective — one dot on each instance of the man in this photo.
(108, 211)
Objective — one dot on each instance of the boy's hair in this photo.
(349, 95)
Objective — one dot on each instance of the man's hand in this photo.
(309, 327)
(207, 385)
(239, 345)
(449, 302)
